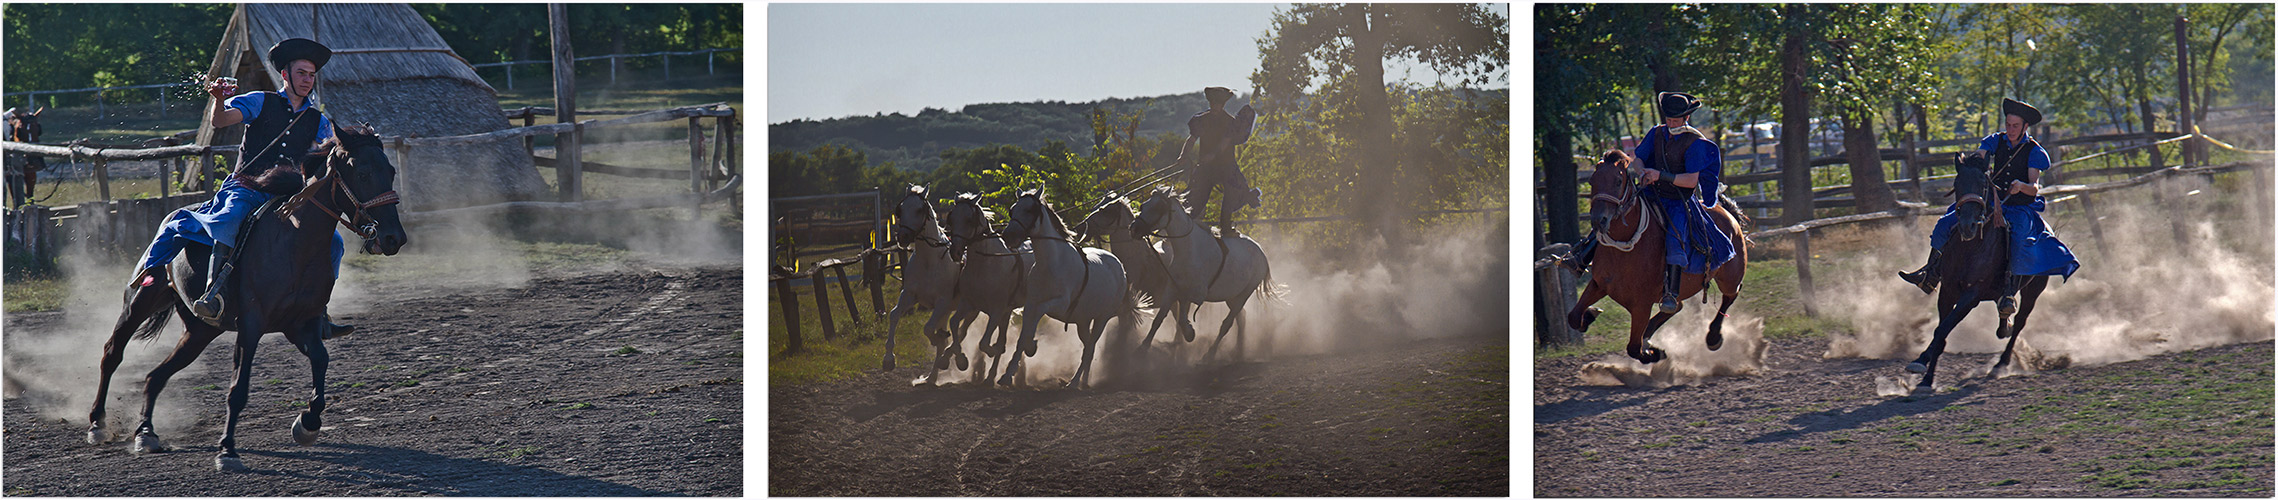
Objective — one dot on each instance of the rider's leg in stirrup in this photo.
(232, 206)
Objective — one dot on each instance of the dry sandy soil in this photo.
(2195, 423)
(520, 391)
(1413, 417)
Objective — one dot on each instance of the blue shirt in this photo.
(1701, 157)
(250, 105)
(2037, 158)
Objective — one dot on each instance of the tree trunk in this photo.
(1795, 128)
(2144, 107)
(1379, 172)
(1559, 189)
(1868, 184)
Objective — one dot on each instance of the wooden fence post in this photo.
(823, 304)
(874, 275)
(847, 292)
(1554, 296)
(696, 169)
(103, 177)
(530, 142)
(785, 294)
(719, 152)
(1803, 273)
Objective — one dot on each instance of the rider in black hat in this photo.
(1682, 172)
(1216, 133)
(2017, 164)
(281, 128)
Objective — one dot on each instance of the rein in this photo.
(358, 220)
(1623, 204)
(1223, 256)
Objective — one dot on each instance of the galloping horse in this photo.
(287, 281)
(929, 277)
(1143, 264)
(1976, 267)
(1203, 268)
(990, 282)
(23, 169)
(1629, 266)
(1076, 285)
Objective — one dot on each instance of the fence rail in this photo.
(31, 96)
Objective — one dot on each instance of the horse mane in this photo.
(1617, 157)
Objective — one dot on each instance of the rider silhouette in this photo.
(2017, 162)
(1216, 133)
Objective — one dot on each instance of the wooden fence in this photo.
(114, 225)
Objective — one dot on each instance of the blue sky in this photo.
(836, 60)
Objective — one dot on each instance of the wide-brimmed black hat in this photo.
(292, 49)
(2031, 114)
(1675, 104)
(1217, 94)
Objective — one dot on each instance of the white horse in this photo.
(991, 281)
(1144, 264)
(1080, 286)
(929, 276)
(1203, 268)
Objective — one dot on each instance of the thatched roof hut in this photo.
(391, 70)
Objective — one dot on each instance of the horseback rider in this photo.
(2017, 162)
(1216, 133)
(1682, 169)
(281, 128)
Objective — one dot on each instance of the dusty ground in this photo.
(624, 383)
(2195, 423)
(1422, 417)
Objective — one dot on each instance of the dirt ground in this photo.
(1410, 418)
(2195, 423)
(624, 383)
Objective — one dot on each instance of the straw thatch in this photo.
(391, 70)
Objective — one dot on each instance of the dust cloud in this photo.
(2161, 282)
(53, 370)
(1689, 362)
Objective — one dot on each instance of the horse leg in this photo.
(1637, 333)
(310, 425)
(2028, 297)
(1583, 314)
(945, 343)
(1027, 343)
(1186, 323)
(1233, 312)
(1090, 332)
(193, 343)
(1927, 363)
(1728, 282)
(145, 302)
(1162, 312)
(248, 338)
(893, 323)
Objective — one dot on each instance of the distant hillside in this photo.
(916, 142)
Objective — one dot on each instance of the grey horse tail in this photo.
(1272, 291)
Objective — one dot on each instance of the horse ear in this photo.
(36, 112)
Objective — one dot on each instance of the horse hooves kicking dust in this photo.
(147, 443)
(230, 464)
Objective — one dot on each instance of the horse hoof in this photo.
(1917, 367)
(1005, 380)
(147, 443)
(1649, 355)
(1924, 390)
(1028, 348)
(95, 434)
(941, 362)
(304, 435)
(227, 463)
(1715, 341)
(963, 363)
(888, 365)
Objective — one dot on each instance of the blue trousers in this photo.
(217, 220)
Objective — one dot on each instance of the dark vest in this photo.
(2010, 165)
(1669, 156)
(262, 130)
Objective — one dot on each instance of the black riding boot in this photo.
(2008, 302)
(1670, 280)
(1926, 277)
(209, 306)
(1226, 219)
(1579, 259)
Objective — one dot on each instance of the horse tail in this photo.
(1272, 291)
(1740, 219)
(150, 327)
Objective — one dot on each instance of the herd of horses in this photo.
(962, 266)
(1628, 265)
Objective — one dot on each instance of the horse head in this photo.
(24, 127)
(912, 217)
(968, 221)
(1113, 215)
(1032, 218)
(1973, 188)
(357, 158)
(1165, 210)
(1610, 188)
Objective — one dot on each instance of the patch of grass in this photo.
(579, 406)
(713, 420)
(276, 381)
(860, 344)
(407, 383)
(34, 295)
(627, 350)
(2004, 482)
(208, 387)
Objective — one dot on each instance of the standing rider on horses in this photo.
(1216, 133)
(281, 128)
(2017, 162)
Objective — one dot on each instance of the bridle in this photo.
(985, 233)
(924, 217)
(1624, 199)
(357, 217)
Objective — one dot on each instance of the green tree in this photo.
(1599, 57)
(1328, 60)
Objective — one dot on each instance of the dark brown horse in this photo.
(23, 169)
(1629, 266)
(1975, 269)
(287, 276)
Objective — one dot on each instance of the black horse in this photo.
(23, 169)
(286, 278)
(1976, 267)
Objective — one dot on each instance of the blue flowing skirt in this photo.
(2033, 249)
